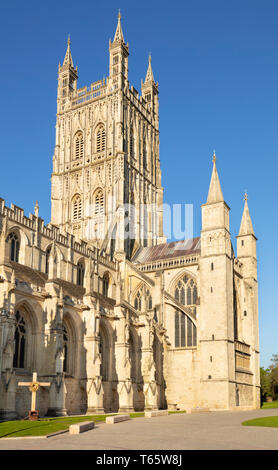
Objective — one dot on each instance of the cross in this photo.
(34, 387)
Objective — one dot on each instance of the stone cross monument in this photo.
(34, 387)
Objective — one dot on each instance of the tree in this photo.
(274, 376)
(265, 384)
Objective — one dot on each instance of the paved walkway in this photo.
(214, 431)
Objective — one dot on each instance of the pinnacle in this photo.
(246, 226)
(215, 191)
(149, 75)
(119, 32)
(68, 58)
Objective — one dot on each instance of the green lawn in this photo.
(268, 421)
(269, 405)
(44, 426)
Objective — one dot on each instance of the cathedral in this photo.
(97, 303)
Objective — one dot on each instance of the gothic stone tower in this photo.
(107, 155)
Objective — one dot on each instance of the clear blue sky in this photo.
(217, 66)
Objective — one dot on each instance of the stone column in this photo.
(95, 392)
(8, 383)
(54, 351)
(123, 363)
(151, 390)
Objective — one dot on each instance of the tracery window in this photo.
(100, 139)
(149, 301)
(104, 354)
(185, 330)
(138, 300)
(186, 291)
(77, 208)
(19, 341)
(80, 273)
(144, 151)
(13, 240)
(131, 143)
(105, 284)
(47, 255)
(99, 202)
(79, 145)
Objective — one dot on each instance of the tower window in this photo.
(100, 139)
(212, 267)
(77, 208)
(99, 202)
(79, 145)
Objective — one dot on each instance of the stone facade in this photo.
(115, 322)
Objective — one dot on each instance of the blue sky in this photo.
(217, 66)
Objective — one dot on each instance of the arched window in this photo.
(186, 291)
(132, 357)
(47, 254)
(131, 143)
(105, 284)
(185, 331)
(79, 146)
(149, 301)
(99, 202)
(80, 273)
(104, 355)
(13, 240)
(19, 341)
(144, 151)
(77, 208)
(65, 349)
(138, 300)
(100, 139)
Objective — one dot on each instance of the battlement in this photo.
(53, 233)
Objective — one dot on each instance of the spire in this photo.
(149, 75)
(68, 58)
(246, 227)
(119, 37)
(215, 192)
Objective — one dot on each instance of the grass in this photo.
(44, 426)
(268, 421)
(269, 405)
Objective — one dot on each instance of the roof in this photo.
(167, 250)
(31, 276)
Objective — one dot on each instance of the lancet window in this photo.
(19, 341)
(13, 240)
(79, 145)
(77, 208)
(100, 139)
